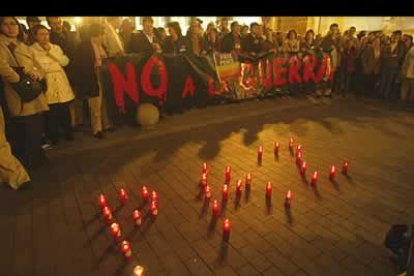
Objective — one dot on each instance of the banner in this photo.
(176, 82)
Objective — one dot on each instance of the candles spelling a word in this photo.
(123, 197)
(314, 179)
(228, 174)
(139, 271)
(215, 208)
(207, 192)
(260, 153)
(277, 146)
(205, 168)
(145, 192)
(154, 196)
(303, 167)
(291, 143)
(288, 199)
(226, 226)
(345, 167)
(298, 149)
(136, 216)
(126, 250)
(239, 185)
(154, 208)
(332, 172)
(116, 230)
(248, 180)
(107, 213)
(268, 189)
(102, 200)
(225, 191)
(299, 158)
(204, 179)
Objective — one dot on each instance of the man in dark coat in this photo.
(232, 41)
(253, 43)
(146, 42)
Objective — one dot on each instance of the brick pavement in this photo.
(333, 229)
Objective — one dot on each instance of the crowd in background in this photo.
(371, 64)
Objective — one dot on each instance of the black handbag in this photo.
(26, 88)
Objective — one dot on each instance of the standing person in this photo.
(31, 22)
(279, 41)
(223, 27)
(88, 60)
(175, 43)
(161, 35)
(210, 26)
(125, 33)
(146, 42)
(253, 43)
(408, 41)
(59, 93)
(330, 45)
(407, 77)
(231, 42)
(244, 31)
(349, 65)
(370, 62)
(392, 59)
(291, 44)
(195, 43)
(111, 40)
(11, 170)
(212, 42)
(269, 44)
(28, 116)
(23, 34)
(308, 47)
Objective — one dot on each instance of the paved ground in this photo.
(334, 229)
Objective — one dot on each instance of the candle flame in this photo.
(138, 270)
(289, 195)
(333, 169)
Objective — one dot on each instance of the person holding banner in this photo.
(195, 43)
(175, 43)
(146, 42)
(232, 41)
(253, 43)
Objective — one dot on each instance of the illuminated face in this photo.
(292, 35)
(236, 28)
(310, 36)
(334, 30)
(42, 36)
(10, 27)
(127, 26)
(148, 27)
(195, 28)
(352, 31)
(55, 24)
(255, 30)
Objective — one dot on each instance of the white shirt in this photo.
(150, 38)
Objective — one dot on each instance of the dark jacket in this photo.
(68, 47)
(189, 45)
(85, 82)
(252, 44)
(393, 58)
(228, 43)
(174, 47)
(141, 44)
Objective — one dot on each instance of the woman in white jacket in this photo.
(59, 92)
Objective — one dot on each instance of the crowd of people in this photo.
(370, 64)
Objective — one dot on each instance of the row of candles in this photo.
(288, 199)
(115, 227)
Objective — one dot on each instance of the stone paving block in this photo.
(247, 270)
(272, 271)
(282, 263)
(174, 265)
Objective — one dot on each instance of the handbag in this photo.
(26, 88)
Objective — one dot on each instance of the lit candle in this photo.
(207, 192)
(126, 249)
(260, 153)
(123, 196)
(291, 142)
(225, 191)
(303, 167)
(154, 208)
(205, 168)
(107, 213)
(314, 177)
(116, 230)
(216, 208)
(139, 271)
(102, 200)
(145, 192)
(204, 179)
(269, 189)
(136, 216)
(345, 167)
(299, 149)
(288, 199)
(299, 158)
(332, 172)
(239, 186)
(277, 148)
(154, 195)
(248, 180)
(226, 226)
(228, 174)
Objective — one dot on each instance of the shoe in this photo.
(47, 146)
(99, 135)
